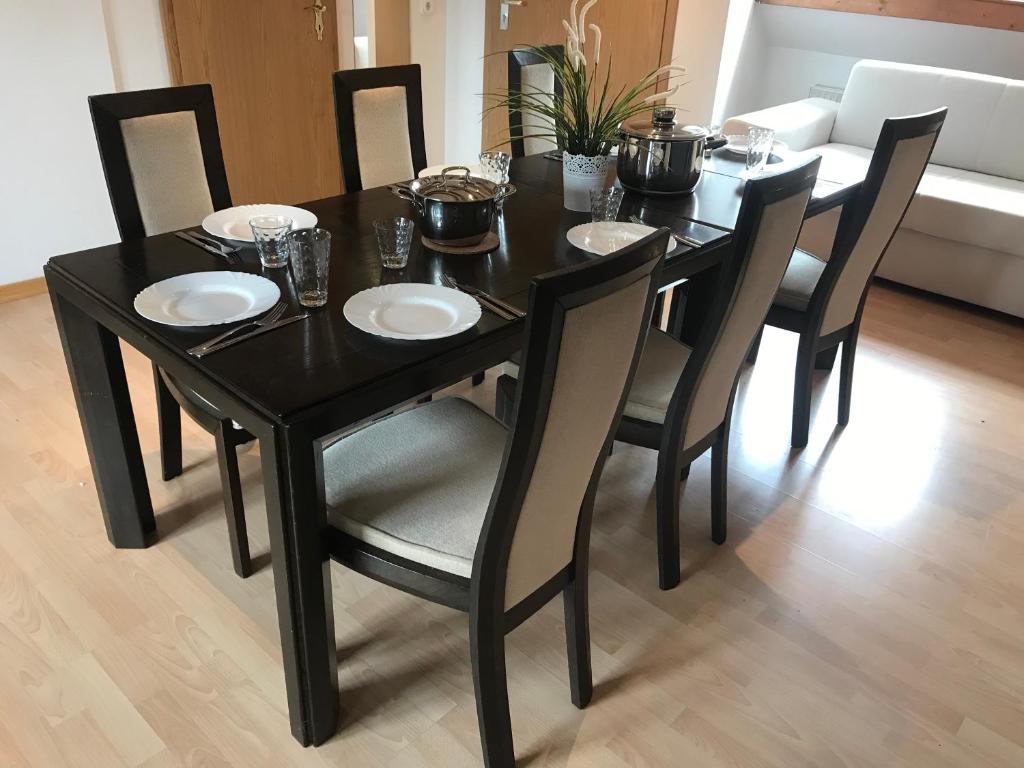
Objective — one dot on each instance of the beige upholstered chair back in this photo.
(571, 392)
(165, 159)
(898, 185)
(538, 79)
(382, 135)
(772, 239)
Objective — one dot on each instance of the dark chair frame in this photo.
(346, 83)
(108, 111)
(667, 438)
(517, 59)
(814, 349)
(483, 595)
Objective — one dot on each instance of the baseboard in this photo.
(22, 289)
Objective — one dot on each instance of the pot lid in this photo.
(455, 184)
(662, 126)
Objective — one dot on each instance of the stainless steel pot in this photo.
(659, 157)
(456, 208)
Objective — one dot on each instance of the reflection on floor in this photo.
(867, 610)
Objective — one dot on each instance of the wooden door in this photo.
(637, 35)
(271, 78)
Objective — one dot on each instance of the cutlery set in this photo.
(270, 321)
(502, 309)
(684, 239)
(208, 244)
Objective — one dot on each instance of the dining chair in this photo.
(442, 501)
(380, 125)
(680, 403)
(529, 72)
(161, 156)
(823, 301)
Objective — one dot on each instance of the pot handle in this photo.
(449, 171)
(408, 195)
(504, 192)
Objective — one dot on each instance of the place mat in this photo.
(488, 244)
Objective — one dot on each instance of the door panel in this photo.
(637, 36)
(271, 80)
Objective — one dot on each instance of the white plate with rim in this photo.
(604, 237)
(412, 311)
(435, 170)
(233, 223)
(738, 145)
(207, 298)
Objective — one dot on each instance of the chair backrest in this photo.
(380, 125)
(585, 331)
(984, 111)
(530, 73)
(867, 225)
(771, 215)
(161, 156)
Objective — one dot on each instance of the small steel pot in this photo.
(659, 157)
(456, 208)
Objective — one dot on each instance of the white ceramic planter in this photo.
(580, 174)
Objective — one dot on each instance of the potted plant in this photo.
(585, 122)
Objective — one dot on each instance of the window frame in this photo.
(994, 14)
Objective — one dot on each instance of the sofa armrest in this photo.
(800, 124)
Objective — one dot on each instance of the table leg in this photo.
(296, 515)
(686, 321)
(96, 368)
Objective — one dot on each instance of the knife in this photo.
(246, 336)
(684, 239)
(504, 305)
(192, 240)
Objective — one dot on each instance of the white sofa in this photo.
(964, 233)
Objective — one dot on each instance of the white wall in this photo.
(464, 79)
(135, 35)
(427, 35)
(697, 45)
(53, 196)
(791, 49)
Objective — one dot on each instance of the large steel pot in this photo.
(456, 208)
(659, 157)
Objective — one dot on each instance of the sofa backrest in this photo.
(986, 114)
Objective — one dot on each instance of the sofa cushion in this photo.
(965, 206)
(982, 109)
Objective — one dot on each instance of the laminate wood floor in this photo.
(867, 610)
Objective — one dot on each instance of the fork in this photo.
(495, 305)
(271, 317)
(684, 239)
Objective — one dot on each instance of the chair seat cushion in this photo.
(656, 377)
(417, 484)
(799, 281)
(953, 204)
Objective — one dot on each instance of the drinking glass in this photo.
(394, 236)
(310, 258)
(759, 147)
(270, 234)
(604, 203)
(494, 167)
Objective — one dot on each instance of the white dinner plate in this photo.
(207, 298)
(435, 170)
(412, 311)
(604, 237)
(738, 145)
(233, 223)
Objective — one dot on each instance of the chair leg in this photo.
(487, 649)
(168, 414)
(577, 639)
(234, 510)
(478, 378)
(667, 507)
(803, 378)
(825, 359)
(846, 376)
(755, 346)
(719, 485)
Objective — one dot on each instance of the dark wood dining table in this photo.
(298, 385)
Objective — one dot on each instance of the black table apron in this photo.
(298, 385)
